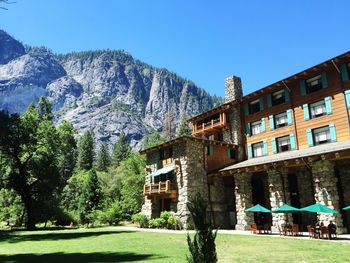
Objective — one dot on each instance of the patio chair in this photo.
(324, 232)
(311, 231)
(254, 228)
(295, 230)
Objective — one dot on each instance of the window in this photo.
(231, 153)
(321, 135)
(210, 137)
(209, 150)
(258, 149)
(278, 97)
(283, 144)
(254, 106)
(281, 120)
(166, 153)
(256, 127)
(314, 84)
(318, 109)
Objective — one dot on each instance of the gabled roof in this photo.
(185, 138)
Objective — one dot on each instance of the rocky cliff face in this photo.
(107, 91)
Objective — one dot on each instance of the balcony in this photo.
(164, 189)
(217, 122)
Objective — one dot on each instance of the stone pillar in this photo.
(147, 207)
(326, 191)
(233, 88)
(243, 193)
(279, 195)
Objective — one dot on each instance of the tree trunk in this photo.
(30, 222)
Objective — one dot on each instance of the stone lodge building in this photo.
(287, 143)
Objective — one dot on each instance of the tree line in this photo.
(47, 175)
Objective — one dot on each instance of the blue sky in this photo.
(205, 41)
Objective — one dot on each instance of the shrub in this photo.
(140, 219)
(156, 223)
(173, 223)
(112, 215)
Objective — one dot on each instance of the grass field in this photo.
(117, 245)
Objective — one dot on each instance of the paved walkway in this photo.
(340, 238)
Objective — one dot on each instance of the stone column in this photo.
(243, 193)
(279, 195)
(326, 191)
(147, 207)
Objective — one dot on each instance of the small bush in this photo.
(112, 215)
(140, 219)
(156, 223)
(173, 223)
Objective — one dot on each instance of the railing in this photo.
(210, 124)
(158, 188)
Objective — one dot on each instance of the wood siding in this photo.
(219, 158)
(338, 117)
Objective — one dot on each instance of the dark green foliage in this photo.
(202, 248)
(86, 151)
(151, 140)
(183, 128)
(29, 146)
(103, 160)
(11, 207)
(121, 150)
(68, 151)
(90, 198)
(140, 219)
(44, 109)
(111, 214)
(132, 174)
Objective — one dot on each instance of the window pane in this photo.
(314, 84)
(318, 109)
(281, 119)
(278, 97)
(321, 135)
(256, 127)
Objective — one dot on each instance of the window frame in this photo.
(281, 139)
(314, 105)
(311, 88)
(254, 124)
(275, 117)
(316, 132)
(274, 101)
(252, 108)
(262, 149)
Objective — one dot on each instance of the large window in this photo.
(321, 135)
(278, 97)
(166, 153)
(256, 127)
(281, 120)
(254, 106)
(258, 149)
(318, 109)
(314, 84)
(283, 144)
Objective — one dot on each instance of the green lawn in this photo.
(117, 245)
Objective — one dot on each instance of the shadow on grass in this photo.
(76, 257)
(14, 237)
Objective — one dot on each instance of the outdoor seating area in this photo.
(317, 231)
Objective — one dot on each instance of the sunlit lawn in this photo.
(117, 245)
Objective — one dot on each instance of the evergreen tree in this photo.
(121, 150)
(202, 248)
(103, 160)
(90, 197)
(68, 151)
(151, 140)
(183, 128)
(44, 109)
(86, 151)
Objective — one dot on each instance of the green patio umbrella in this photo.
(347, 208)
(258, 208)
(286, 209)
(318, 208)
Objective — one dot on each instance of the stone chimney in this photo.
(233, 88)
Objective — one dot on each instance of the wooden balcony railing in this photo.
(210, 125)
(159, 188)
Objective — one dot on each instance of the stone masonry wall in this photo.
(243, 193)
(218, 204)
(326, 192)
(279, 195)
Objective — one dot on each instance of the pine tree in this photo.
(103, 160)
(202, 248)
(44, 109)
(90, 197)
(183, 128)
(121, 150)
(151, 140)
(86, 151)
